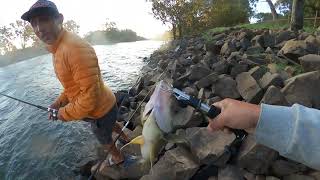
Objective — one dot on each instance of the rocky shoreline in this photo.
(256, 66)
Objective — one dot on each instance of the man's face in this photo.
(46, 28)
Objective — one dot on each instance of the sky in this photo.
(92, 14)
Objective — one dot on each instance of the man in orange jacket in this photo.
(85, 96)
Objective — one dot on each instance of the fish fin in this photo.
(152, 157)
(138, 140)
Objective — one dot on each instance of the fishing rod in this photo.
(54, 112)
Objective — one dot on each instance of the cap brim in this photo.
(39, 11)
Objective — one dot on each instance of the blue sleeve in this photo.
(292, 131)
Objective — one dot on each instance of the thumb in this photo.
(218, 104)
(215, 124)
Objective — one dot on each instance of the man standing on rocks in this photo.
(292, 131)
(85, 96)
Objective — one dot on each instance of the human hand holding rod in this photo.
(211, 111)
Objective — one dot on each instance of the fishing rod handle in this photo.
(54, 113)
(215, 111)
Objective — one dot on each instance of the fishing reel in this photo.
(53, 113)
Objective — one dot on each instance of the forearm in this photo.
(293, 131)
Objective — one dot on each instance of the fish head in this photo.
(166, 108)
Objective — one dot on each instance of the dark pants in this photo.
(102, 127)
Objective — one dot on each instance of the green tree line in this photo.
(111, 34)
(188, 17)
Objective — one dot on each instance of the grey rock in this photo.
(207, 80)
(258, 41)
(298, 177)
(228, 48)
(209, 59)
(238, 69)
(282, 168)
(226, 87)
(284, 36)
(179, 82)
(256, 59)
(260, 177)
(248, 88)
(254, 157)
(163, 64)
(234, 57)
(176, 164)
(213, 178)
(274, 96)
(191, 91)
(271, 79)
(315, 175)
(209, 147)
(265, 40)
(310, 62)
(247, 175)
(254, 50)
(245, 43)
(303, 36)
(294, 49)
(221, 67)
(198, 72)
(303, 89)
(230, 173)
(271, 178)
(257, 72)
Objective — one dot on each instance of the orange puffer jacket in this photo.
(76, 66)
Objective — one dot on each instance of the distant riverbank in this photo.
(31, 52)
(21, 54)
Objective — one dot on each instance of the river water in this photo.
(31, 147)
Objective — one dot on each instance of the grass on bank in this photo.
(277, 25)
(265, 25)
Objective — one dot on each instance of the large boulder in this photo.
(221, 67)
(303, 89)
(228, 48)
(209, 147)
(249, 88)
(230, 172)
(315, 174)
(284, 36)
(271, 79)
(257, 72)
(207, 81)
(134, 171)
(265, 40)
(238, 69)
(215, 44)
(294, 49)
(256, 59)
(254, 50)
(282, 168)
(175, 164)
(310, 62)
(274, 96)
(226, 87)
(298, 177)
(254, 157)
(198, 72)
(209, 59)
